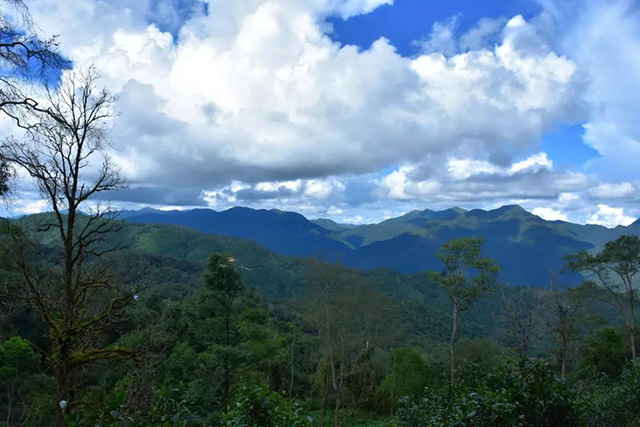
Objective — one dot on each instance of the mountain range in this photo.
(526, 246)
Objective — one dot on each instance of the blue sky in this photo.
(360, 110)
(406, 21)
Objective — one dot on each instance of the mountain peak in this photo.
(457, 210)
(511, 209)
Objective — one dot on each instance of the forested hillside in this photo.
(526, 245)
(278, 346)
(266, 318)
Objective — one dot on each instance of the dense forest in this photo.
(203, 342)
(105, 322)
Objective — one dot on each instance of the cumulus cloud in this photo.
(612, 191)
(349, 8)
(550, 214)
(604, 40)
(610, 217)
(465, 168)
(260, 92)
(467, 181)
(253, 103)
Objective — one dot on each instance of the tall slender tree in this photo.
(522, 315)
(466, 277)
(73, 288)
(351, 319)
(223, 286)
(564, 313)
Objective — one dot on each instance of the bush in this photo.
(615, 404)
(526, 393)
(258, 406)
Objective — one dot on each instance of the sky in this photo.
(361, 110)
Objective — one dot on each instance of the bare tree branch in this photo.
(81, 300)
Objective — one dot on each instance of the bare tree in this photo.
(351, 319)
(72, 288)
(522, 313)
(25, 59)
(561, 321)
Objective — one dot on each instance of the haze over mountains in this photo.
(526, 246)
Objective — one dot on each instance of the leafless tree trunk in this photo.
(293, 343)
(522, 312)
(325, 395)
(454, 335)
(351, 320)
(563, 318)
(78, 299)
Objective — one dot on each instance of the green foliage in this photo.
(258, 406)
(192, 330)
(484, 353)
(409, 375)
(604, 352)
(222, 280)
(170, 409)
(616, 405)
(26, 393)
(615, 269)
(526, 393)
(466, 276)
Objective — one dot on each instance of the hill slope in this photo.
(525, 245)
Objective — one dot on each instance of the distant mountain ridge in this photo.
(526, 246)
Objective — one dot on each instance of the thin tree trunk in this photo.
(292, 370)
(634, 355)
(563, 356)
(226, 386)
(10, 404)
(325, 395)
(336, 413)
(336, 388)
(393, 387)
(454, 333)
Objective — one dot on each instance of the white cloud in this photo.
(256, 92)
(398, 185)
(442, 38)
(349, 8)
(275, 186)
(550, 214)
(27, 207)
(532, 164)
(253, 103)
(610, 217)
(603, 37)
(483, 34)
(612, 191)
(472, 180)
(322, 189)
(465, 168)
